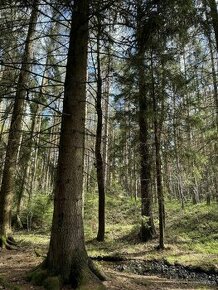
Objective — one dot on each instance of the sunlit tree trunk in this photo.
(106, 126)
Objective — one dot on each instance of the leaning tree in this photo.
(8, 186)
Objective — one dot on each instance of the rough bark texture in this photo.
(147, 225)
(67, 257)
(7, 187)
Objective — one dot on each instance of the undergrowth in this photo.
(191, 234)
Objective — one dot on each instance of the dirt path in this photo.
(16, 263)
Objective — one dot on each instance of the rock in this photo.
(163, 268)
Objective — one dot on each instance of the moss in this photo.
(86, 278)
(2, 282)
(5, 285)
(38, 277)
(3, 241)
(52, 283)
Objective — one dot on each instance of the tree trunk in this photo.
(67, 257)
(26, 168)
(214, 75)
(214, 17)
(98, 155)
(147, 225)
(157, 137)
(7, 187)
(106, 126)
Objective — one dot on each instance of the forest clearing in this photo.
(108, 144)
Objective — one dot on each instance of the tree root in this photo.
(40, 277)
(88, 277)
(11, 241)
(8, 243)
(97, 271)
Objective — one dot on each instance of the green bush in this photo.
(36, 214)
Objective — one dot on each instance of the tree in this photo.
(157, 120)
(67, 257)
(143, 34)
(98, 144)
(7, 187)
(214, 17)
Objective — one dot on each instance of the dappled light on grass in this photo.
(183, 246)
(191, 236)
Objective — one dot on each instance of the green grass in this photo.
(32, 238)
(191, 235)
(6, 285)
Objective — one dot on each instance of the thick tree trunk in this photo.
(147, 225)
(7, 187)
(67, 257)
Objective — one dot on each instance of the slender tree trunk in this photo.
(33, 172)
(157, 136)
(25, 169)
(214, 75)
(178, 179)
(7, 187)
(67, 257)
(106, 128)
(214, 16)
(98, 155)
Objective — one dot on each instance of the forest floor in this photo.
(189, 261)
(15, 264)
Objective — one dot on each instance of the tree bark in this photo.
(67, 257)
(157, 141)
(106, 124)
(25, 168)
(98, 155)
(7, 187)
(147, 225)
(214, 17)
